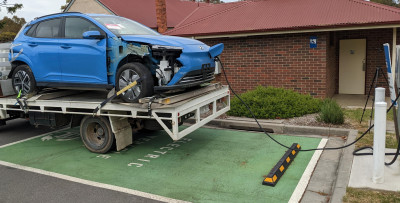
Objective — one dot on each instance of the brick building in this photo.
(268, 42)
(317, 47)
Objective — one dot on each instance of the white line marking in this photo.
(31, 138)
(91, 183)
(305, 178)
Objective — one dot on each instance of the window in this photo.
(31, 31)
(48, 28)
(75, 27)
(122, 26)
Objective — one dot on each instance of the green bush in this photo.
(7, 36)
(331, 112)
(272, 103)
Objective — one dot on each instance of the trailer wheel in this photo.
(23, 80)
(96, 134)
(130, 72)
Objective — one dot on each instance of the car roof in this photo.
(54, 15)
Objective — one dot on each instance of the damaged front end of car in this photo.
(175, 65)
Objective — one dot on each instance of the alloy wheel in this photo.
(22, 82)
(127, 77)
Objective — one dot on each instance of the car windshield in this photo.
(122, 26)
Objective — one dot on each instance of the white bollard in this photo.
(379, 135)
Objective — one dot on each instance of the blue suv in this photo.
(94, 51)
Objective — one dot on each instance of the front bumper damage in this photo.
(191, 79)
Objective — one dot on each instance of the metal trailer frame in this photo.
(118, 113)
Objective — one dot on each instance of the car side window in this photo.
(48, 29)
(75, 27)
(31, 31)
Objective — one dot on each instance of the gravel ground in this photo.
(311, 120)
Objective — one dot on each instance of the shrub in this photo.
(331, 112)
(271, 102)
(7, 36)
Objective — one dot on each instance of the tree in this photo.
(14, 24)
(11, 8)
(66, 4)
(387, 2)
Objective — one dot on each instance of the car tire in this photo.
(24, 80)
(129, 73)
(96, 134)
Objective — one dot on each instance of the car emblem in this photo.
(201, 47)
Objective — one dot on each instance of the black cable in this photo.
(355, 153)
(265, 132)
(395, 156)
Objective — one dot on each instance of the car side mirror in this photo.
(93, 35)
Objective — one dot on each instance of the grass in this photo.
(354, 116)
(368, 140)
(367, 195)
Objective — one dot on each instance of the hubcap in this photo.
(96, 134)
(127, 77)
(22, 82)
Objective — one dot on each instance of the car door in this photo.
(43, 45)
(83, 61)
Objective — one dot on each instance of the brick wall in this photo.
(287, 60)
(276, 60)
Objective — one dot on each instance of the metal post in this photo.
(379, 136)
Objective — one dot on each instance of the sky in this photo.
(37, 8)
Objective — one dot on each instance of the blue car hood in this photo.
(161, 40)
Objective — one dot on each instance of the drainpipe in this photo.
(161, 14)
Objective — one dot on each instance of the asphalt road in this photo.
(22, 186)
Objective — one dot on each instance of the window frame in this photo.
(63, 24)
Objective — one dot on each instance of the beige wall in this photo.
(87, 6)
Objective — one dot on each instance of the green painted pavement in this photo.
(208, 165)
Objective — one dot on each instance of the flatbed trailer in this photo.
(119, 120)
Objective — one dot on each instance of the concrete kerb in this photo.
(344, 170)
(275, 127)
(346, 158)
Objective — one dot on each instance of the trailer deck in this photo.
(203, 104)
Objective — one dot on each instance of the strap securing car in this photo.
(150, 103)
(22, 102)
(134, 83)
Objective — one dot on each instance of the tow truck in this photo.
(116, 122)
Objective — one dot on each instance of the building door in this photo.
(352, 67)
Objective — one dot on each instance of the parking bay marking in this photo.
(79, 180)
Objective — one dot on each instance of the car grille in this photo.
(198, 75)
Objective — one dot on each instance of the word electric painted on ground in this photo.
(157, 154)
(279, 169)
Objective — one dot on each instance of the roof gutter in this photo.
(292, 31)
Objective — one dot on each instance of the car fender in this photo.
(21, 58)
